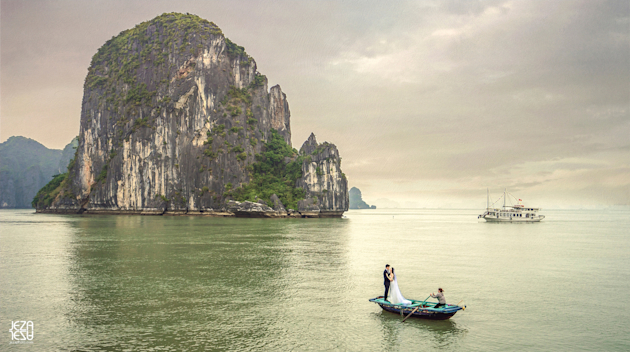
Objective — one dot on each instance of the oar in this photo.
(418, 307)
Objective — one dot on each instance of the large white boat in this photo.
(510, 213)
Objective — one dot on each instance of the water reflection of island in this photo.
(185, 281)
(199, 283)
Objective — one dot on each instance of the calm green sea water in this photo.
(137, 283)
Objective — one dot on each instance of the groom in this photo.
(386, 281)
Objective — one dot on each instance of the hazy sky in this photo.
(429, 102)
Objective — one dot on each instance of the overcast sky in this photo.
(429, 102)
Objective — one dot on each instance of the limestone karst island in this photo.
(176, 119)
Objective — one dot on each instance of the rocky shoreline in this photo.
(245, 209)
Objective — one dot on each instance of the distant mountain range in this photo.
(26, 166)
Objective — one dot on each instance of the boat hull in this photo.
(493, 219)
(420, 313)
(426, 311)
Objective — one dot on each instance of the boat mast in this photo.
(488, 201)
(504, 192)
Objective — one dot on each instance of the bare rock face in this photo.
(326, 187)
(277, 204)
(279, 113)
(309, 207)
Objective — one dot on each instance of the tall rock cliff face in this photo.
(325, 185)
(173, 116)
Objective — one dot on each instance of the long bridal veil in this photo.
(395, 296)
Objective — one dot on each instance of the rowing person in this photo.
(440, 297)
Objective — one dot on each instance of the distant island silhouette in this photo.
(356, 200)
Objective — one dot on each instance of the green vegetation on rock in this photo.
(234, 50)
(258, 81)
(162, 198)
(272, 175)
(139, 95)
(48, 193)
(117, 59)
(102, 176)
(235, 101)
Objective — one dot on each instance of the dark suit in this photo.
(386, 283)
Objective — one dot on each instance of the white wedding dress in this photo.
(394, 293)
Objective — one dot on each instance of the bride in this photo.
(394, 292)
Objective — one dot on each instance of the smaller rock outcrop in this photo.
(277, 204)
(325, 186)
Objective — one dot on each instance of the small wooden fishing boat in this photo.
(419, 309)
